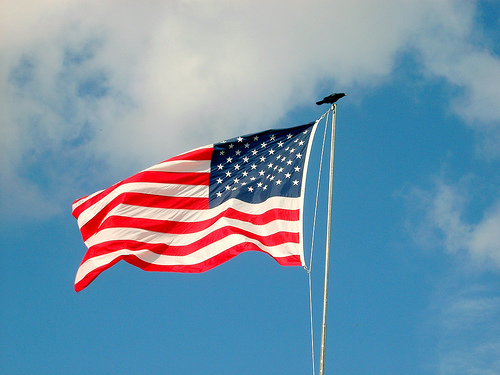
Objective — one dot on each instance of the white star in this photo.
(254, 152)
(236, 180)
(245, 173)
(280, 170)
(247, 145)
(259, 184)
(295, 182)
(228, 174)
(231, 146)
(270, 165)
(262, 173)
(250, 189)
(245, 159)
(252, 178)
(292, 150)
(289, 162)
(273, 137)
(297, 169)
(287, 175)
(221, 152)
(301, 143)
(271, 152)
(280, 144)
(265, 187)
(237, 167)
(262, 159)
(278, 182)
(219, 194)
(299, 155)
(272, 178)
(253, 166)
(219, 180)
(263, 144)
(256, 138)
(289, 136)
(240, 139)
(237, 152)
(228, 187)
(220, 166)
(229, 160)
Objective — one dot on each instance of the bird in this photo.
(331, 98)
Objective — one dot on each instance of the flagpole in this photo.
(328, 235)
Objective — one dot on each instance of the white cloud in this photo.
(464, 308)
(485, 239)
(131, 83)
(440, 221)
(454, 48)
(465, 322)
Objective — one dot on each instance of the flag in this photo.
(197, 210)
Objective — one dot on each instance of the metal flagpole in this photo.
(328, 235)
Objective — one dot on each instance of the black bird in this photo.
(330, 99)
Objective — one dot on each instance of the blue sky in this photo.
(92, 92)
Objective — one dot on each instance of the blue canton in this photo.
(255, 167)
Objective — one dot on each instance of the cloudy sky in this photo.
(92, 92)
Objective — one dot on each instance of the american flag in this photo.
(197, 210)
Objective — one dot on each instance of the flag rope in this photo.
(309, 269)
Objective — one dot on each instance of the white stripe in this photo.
(174, 239)
(303, 188)
(199, 256)
(167, 190)
(180, 215)
(185, 166)
(84, 199)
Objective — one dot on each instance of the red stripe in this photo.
(199, 154)
(292, 260)
(181, 178)
(174, 227)
(162, 248)
(144, 200)
(94, 273)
